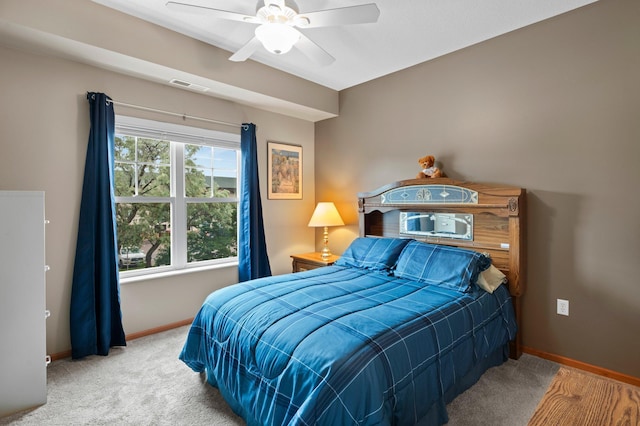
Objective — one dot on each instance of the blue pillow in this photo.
(375, 254)
(450, 267)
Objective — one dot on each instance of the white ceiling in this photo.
(407, 33)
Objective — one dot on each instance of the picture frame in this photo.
(284, 171)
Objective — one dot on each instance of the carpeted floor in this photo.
(146, 384)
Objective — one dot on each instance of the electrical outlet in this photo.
(563, 307)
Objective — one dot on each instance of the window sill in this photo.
(175, 272)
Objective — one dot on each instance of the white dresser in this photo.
(23, 361)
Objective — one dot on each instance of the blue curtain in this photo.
(96, 318)
(253, 261)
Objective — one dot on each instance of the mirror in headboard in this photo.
(446, 225)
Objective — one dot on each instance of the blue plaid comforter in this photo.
(341, 346)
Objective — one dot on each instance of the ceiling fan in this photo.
(277, 23)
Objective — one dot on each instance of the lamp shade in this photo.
(326, 214)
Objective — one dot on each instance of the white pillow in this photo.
(491, 278)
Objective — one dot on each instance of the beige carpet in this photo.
(146, 384)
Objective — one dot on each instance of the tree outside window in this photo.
(154, 193)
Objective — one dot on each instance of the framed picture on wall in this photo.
(284, 175)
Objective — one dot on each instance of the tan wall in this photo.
(554, 108)
(44, 127)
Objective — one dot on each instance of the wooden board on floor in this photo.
(579, 398)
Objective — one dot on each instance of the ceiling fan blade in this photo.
(312, 51)
(215, 13)
(362, 14)
(245, 51)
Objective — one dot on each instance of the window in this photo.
(176, 196)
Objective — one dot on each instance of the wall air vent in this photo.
(188, 85)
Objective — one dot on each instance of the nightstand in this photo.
(307, 261)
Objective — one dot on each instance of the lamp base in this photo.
(326, 253)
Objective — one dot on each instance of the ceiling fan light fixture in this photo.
(277, 25)
(277, 38)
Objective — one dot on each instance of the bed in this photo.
(419, 305)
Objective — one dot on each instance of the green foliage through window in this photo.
(145, 204)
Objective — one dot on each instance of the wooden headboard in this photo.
(499, 222)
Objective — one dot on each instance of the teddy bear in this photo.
(429, 170)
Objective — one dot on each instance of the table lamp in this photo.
(326, 215)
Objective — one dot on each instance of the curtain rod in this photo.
(175, 114)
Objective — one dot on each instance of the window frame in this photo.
(178, 135)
